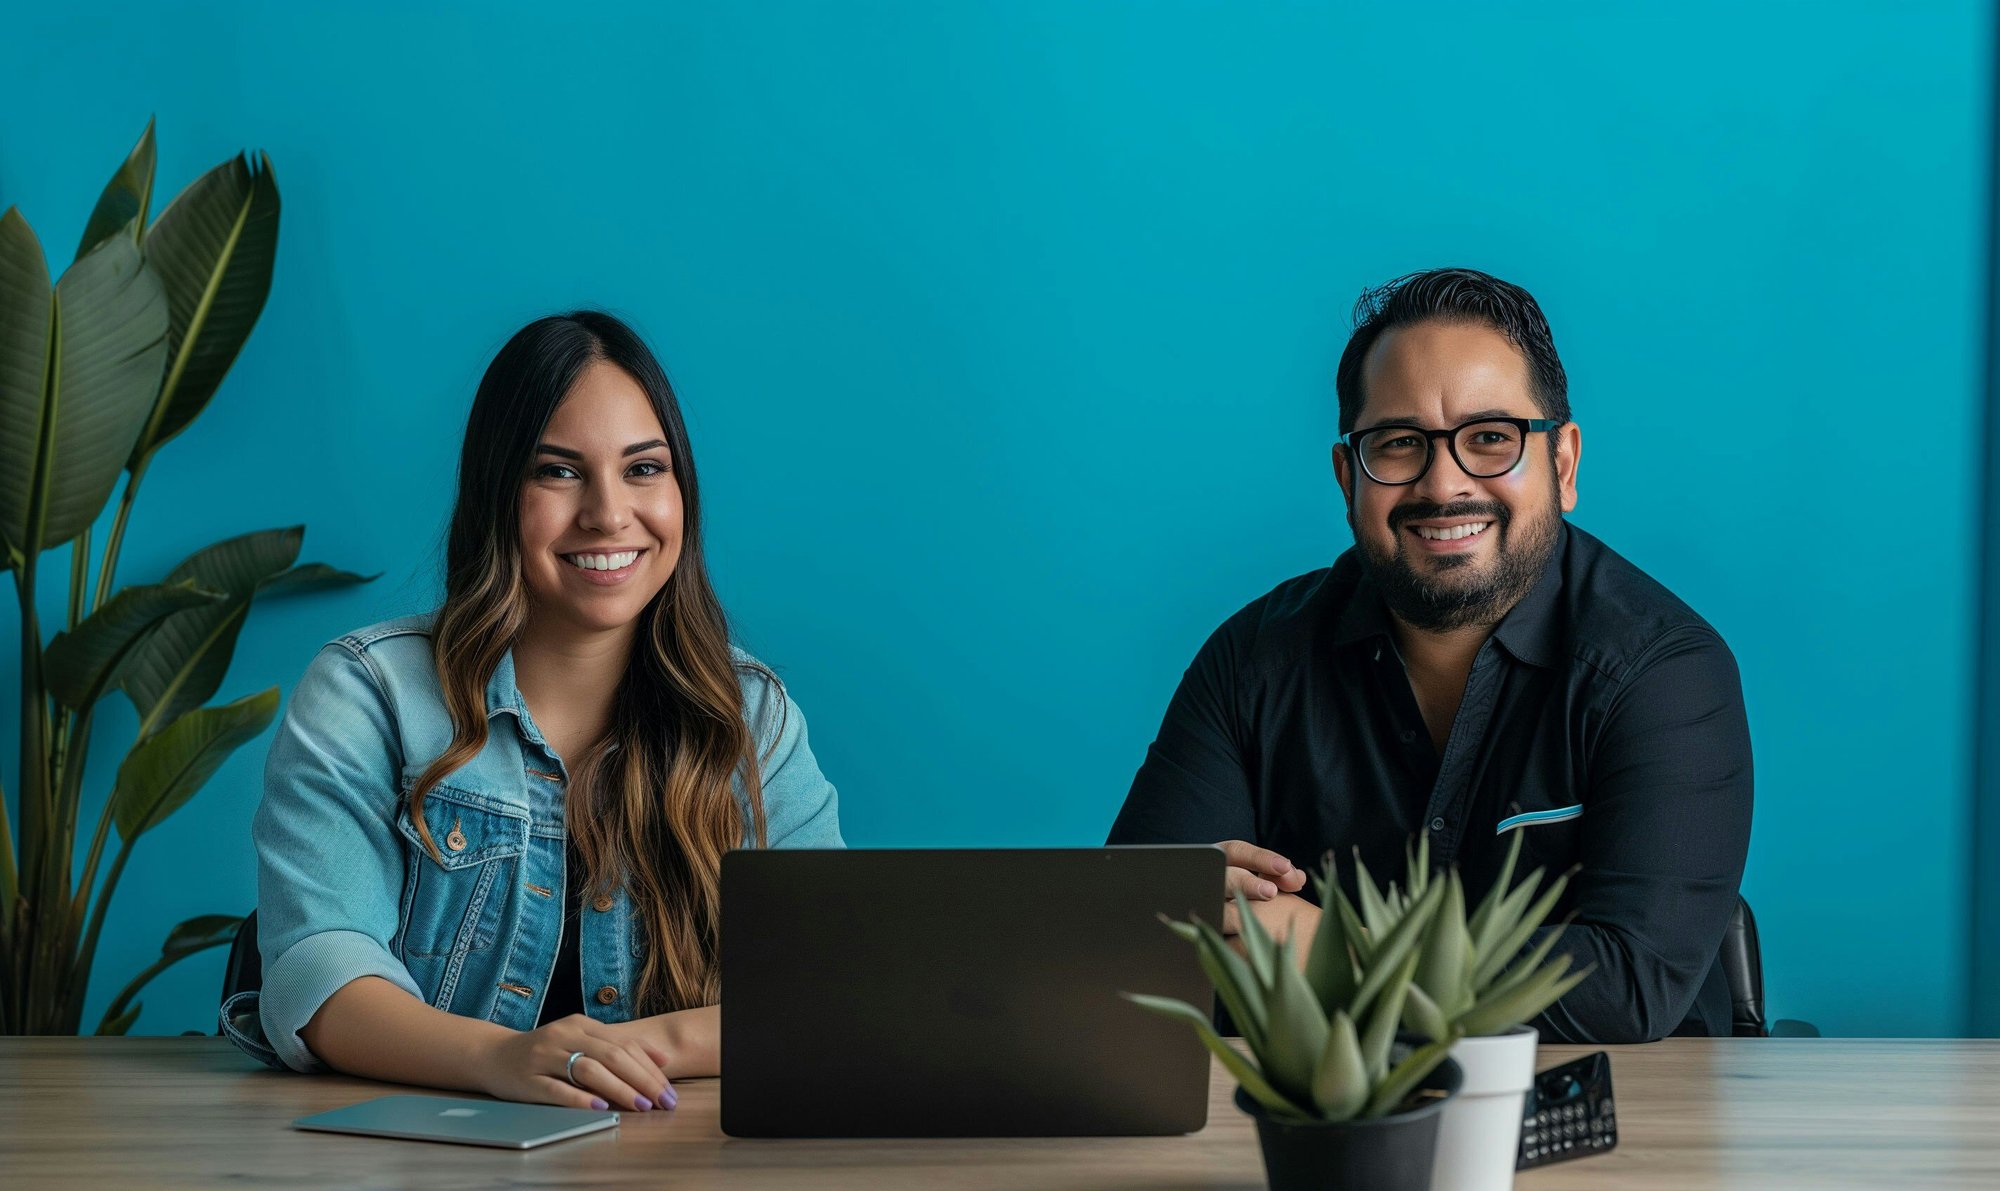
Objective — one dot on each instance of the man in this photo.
(1473, 667)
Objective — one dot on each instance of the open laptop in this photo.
(931, 993)
(465, 1122)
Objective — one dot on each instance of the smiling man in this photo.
(1475, 666)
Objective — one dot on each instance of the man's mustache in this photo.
(1426, 510)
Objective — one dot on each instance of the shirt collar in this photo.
(503, 697)
(1529, 630)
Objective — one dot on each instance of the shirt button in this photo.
(603, 902)
(1409, 737)
(607, 995)
(1437, 824)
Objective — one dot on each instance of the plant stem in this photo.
(117, 539)
(79, 576)
(10, 881)
(89, 877)
(153, 969)
(80, 974)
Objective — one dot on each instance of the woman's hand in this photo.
(618, 1068)
(691, 1039)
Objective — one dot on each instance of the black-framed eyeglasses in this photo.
(1402, 454)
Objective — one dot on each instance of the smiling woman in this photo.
(491, 837)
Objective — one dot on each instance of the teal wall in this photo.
(1007, 332)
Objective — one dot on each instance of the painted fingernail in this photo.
(597, 1104)
(668, 1098)
(644, 1104)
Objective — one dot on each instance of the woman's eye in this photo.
(647, 467)
(554, 471)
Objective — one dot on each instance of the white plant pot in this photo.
(1479, 1134)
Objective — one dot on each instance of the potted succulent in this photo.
(1394, 1057)
(1340, 1100)
(1477, 981)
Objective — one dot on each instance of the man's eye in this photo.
(1402, 442)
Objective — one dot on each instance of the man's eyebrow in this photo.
(549, 448)
(1476, 416)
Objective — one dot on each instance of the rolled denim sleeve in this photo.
(801, 809)
(329, 860)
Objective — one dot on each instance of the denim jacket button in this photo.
(607, 995)
(603, 902)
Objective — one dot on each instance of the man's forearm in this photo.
(1633, 995)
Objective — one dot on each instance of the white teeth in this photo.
(1452, 533)
(602, 562)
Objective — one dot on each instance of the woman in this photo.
(491, 837)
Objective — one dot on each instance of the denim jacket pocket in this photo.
(454, 902)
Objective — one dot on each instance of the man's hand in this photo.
(1260, 875)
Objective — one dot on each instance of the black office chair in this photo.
(245, 970)
(1743, 964)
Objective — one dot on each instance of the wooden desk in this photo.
(1806, 1113)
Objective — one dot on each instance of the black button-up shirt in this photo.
(1601, 708)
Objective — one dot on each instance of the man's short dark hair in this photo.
(1454, 295)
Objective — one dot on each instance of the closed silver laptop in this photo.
(463, 1122)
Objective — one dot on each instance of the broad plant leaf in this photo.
(311, 576)
(182, 663)
(26, 304)
(127, 198)
(163, 771)
(104, 348)
(213, 248)
(82, 664)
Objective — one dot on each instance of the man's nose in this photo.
(1445, 481)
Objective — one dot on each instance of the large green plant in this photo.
(98, 372)
(1322, 1034)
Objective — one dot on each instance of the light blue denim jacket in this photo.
(344, 888)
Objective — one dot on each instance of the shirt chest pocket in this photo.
(1551, 838)
(455, 902)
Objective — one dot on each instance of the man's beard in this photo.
(1435, 604)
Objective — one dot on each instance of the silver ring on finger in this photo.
(569, 1068)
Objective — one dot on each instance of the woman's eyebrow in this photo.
(549, 448)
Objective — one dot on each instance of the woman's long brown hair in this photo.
(650, 805)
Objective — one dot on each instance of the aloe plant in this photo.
(1322, 1039)
(1472, 977)
(1322, 1036)
(98, 372)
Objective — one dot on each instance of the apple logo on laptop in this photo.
(459, 1112)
